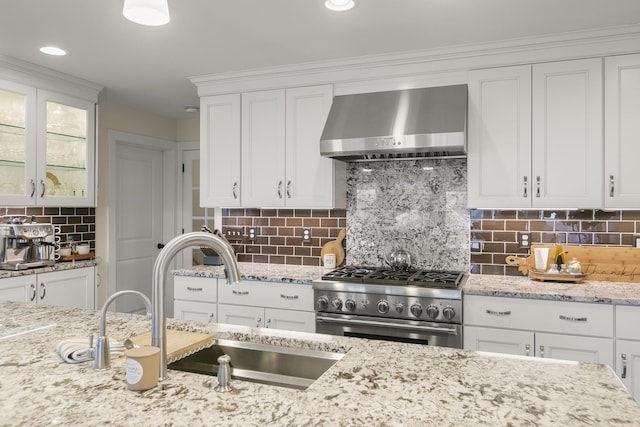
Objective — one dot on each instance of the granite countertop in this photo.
(376, 383)
(285, 273)
(4, 274)
(522, 287)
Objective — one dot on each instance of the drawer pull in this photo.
(527, 348)
(499, 313)
(624, 366)
(288, 296)
(541, 351)
(240, 292)
(189, 288)
(573, 319)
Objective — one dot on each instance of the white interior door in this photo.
(139, 218)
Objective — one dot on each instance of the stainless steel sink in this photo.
(262, 363)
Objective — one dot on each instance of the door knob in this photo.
(160, 245)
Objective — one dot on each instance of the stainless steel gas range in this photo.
(418, 306)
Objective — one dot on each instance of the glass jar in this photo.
(574, 266)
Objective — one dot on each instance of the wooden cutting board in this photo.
(612, 264)
(179, 343)
(335, 247)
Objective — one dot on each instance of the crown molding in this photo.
(45, 78)
(553, 47)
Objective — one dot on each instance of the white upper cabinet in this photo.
(220, 151)
(535, 136)
(622, 132)
(48, 142)
(567, 134)
(499, 149)
(263, 148)
(311, 180)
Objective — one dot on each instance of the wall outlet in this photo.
(252, 234)
(233, 234)
(306, 235)
(524, 240)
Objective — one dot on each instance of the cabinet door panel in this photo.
(197, 311)
(627, 321)
(628, 366)
(18, 142)
(68, 288)
(580, 349)
(567, 134)
(220, 151)
(499, 341)
(66, 151)
(291, 320)
(241, 315)
(622, 127)
(499, 147)
(263, 149)
(309, 175)
(21, 289)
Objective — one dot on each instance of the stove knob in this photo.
(432, 311)
(448, 312)
(416, 310)
(336, 303)
(323, 303)
(350, 305)
(399, 308)
(383, 306)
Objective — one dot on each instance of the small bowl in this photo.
(64, 251)
(83, 249)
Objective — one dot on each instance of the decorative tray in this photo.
(76, 257)
(556, 277)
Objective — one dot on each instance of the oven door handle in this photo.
(386, 325)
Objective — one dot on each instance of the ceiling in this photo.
(148, 67)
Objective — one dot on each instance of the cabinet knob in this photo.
(541, 351)
(527, 348)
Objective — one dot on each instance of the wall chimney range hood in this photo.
(397, 125)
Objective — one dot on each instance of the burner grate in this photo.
(390, 276)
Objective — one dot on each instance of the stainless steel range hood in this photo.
(396, 125)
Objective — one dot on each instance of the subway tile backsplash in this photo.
(279, 233)
(77, 222)
(494, 233)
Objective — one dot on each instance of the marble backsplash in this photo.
(417, 205)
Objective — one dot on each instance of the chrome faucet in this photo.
(102, 353)
(160, 267)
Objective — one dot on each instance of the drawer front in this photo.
(627, 321)
(268, 294)
(202, 289)
(203, 312)
(537, 315)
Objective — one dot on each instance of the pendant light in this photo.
(339, 5)
(146, 12)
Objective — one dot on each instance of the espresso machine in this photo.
(25, 244)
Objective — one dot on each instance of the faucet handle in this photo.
(90, 340)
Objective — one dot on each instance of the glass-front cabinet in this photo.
(48, 148)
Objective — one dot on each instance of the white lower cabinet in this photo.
(195, 298)
(628, 348)
(21, 288)
(67, 288)
(249, 303)
(267, 305)
(552, 329)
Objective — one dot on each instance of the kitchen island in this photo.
(375, 383)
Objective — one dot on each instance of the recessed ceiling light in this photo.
(339, 5)
(146, 12)
(52, 50)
